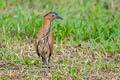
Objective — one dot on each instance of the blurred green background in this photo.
(93, 21)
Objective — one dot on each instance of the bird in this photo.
(44, 40)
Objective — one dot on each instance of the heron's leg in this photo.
(41, 62)
(47, 60)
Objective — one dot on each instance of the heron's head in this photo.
(52, 16)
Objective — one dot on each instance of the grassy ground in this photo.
(92, 24)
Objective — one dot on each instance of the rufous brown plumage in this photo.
(44, 40)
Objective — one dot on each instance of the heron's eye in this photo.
(53, 15)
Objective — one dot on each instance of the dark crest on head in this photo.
(50, 13)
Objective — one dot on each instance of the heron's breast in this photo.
(44, 45)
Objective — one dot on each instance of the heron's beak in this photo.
(58, 17)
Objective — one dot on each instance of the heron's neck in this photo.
(46, 26)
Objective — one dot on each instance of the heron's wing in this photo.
(51, 42)
(36, 47)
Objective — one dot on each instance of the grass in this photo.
(94, 24)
